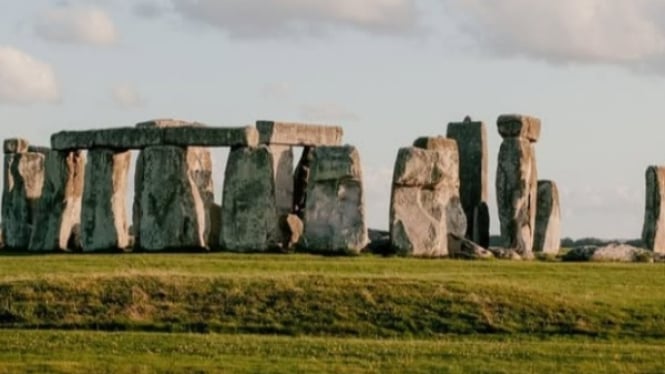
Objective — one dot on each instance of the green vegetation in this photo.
(136, 311)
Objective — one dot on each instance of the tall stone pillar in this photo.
(471, 137)
(250, 207)
(517, 181)
(548, 219)
(425, 205)
(653, 233)
(103, 214)
(334, 216)
(23, 184)
(59, 209)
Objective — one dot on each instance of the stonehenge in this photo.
(517, 181)
(547, 238)
(653, 232)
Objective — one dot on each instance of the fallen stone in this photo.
(250, 218)
(547, 238)
(59, 209)
(16, 145)
(462, 248)
(23, 184)
(653, 232)
(519, 126)
(174, 192)
(471, 138)
(516, 191)
(609, 253)
(505, 254)
(146, 136)
(104, 224)
(298, 134)
(335, 208)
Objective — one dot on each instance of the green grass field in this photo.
(289, 313)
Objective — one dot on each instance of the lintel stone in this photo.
(299, 134)
(16, 145)
(519, 126)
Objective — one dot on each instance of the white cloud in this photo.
(274, 18)
(126, 96)
(24, 80)
(68, 24)
(597, 31)
(326, 112)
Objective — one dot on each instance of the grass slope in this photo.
(306, 295)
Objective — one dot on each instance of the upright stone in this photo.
(481, 225)
(250, 212)
(23, 184)
(653, 233)
(300, 179)
(174, 194)
(282, 157)
(103, 213)
(59, 209)
(548, 219)
(471, 137)
(425, 185)
(334, 217)
(517, 181)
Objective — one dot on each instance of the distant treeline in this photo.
(495, 241)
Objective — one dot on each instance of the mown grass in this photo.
(88, 352)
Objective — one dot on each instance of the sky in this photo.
(388, 71)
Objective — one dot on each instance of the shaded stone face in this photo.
(59, 209)
(174, 193)
(519, 126)
(653, 232)
(300, 179)
(548, 219)
(516, 190)
(425, 205)
(250, 218)
(334, 216)
(481, 225)
(103, 214)
(298, 134)
(16, 145)
(23, 184)
(471, 140)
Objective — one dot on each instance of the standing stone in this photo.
(250, 214)
(418, 210)
(471, 137)
(103, 213)
(59, 209)
(334, 216)
(517, 182)
(174, 193)
(282, 157)
(481, 225)
(190, 195)
(548, 219)
(23, 184)
(300, 178)
(653, 233)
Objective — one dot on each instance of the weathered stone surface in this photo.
(462, 248)
(434, 143)
(653, 232)
(250, 218)
(547, 238)
(609, 253)
(146, 136)
(481, 225)
(23, 184)
(471, 138)
(16, 145)
(519, 126)
(335, 208)
(505, 254)
(292, 229)
(282, 157)
(167, 122)
(174, 192)
(425, 205)
(103, 214)
(516, 191)
(59, 209)
(298, 134)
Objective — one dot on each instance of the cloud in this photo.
(25, 80)
(83, 25)
(326, 112)
(126, 96)
(278, 18)
(149, 9)
(276, 91)
(592, 31)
